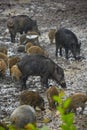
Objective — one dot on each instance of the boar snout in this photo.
(63, 84)
(42, 109)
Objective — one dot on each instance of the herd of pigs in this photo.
(36, 62)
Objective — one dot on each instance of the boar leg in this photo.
(83, 107)
(44, 81)
(13, 38)
(56, 51)
(60, 51)
(23, 82)
(66, 53)
(52, 105)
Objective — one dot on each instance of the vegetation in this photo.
(67, 119)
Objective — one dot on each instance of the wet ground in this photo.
(49, 14)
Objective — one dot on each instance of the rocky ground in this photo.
(49, 14)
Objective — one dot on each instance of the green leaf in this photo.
(66, 103)
(2, 128)
(11, 127)
(68, 119)
(73, 127)
(64, 127)
(57, 99)
(61, 94)
(61, 110)
(44, 128)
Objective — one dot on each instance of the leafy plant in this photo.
(1, 128)
(27, 127)
(67, 119)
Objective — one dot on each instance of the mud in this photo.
(49, 14)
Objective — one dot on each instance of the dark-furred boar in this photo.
(20, 23)
(38, 65)
(66, 39)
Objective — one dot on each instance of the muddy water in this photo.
(71, 15)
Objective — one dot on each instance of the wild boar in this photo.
(77, 100)
(33, 36)
(4, 57)
(3, 50)
(66, 39)
(29, 37)
(51, 35)
(3, 67)
(28, 45)
(32, 98)
(23, 39)
(39, 65)
(21, 48)
(37, 50)
(13, 60)
(52, 91)
(33, 33)
(22, 116)
(20, 23)
(15, 73)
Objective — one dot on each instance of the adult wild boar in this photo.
(66, 39)
(38, 65)
(20, 23)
